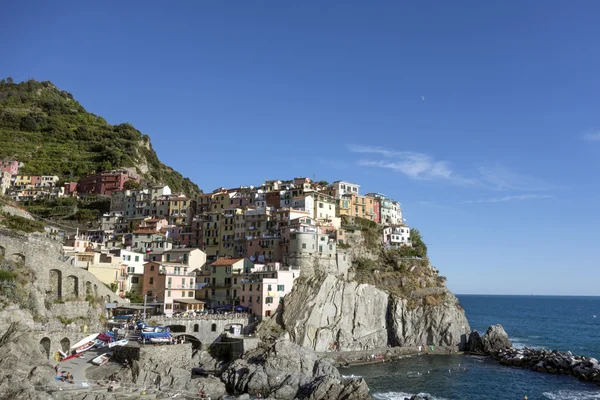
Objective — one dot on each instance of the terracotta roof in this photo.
(225, 261)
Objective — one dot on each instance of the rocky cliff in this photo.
(328, 313)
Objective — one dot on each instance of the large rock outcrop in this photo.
(328, 313)
(21, 365)
(333, 314)
(495, 339)
(288, 371)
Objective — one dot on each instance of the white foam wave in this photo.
(400, 396)
(572, 395)
(351, 376)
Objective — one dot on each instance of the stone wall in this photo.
(74, 309)
(206, 330)
(54, 279)
(12, 210)
(179, 355)
(130, 352)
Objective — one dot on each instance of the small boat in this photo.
(74, 355)
(85, 347)
(84, 341)
(106, 338)
(121, 342)
(99, 343)
(155, 329)
(160, 340)
(101, 359)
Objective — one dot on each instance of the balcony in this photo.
(187, 286)
(177, 273)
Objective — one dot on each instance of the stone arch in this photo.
(72, 286)
(56, 283)
(88, 289)
(213, 328)
(45, 346)
(177, 328)
(18, 258)
(196, 343)
(196, 327)
(65, 345)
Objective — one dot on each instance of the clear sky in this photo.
(481, 118)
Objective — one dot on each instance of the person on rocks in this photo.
(56, 369)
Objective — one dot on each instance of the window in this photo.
(269, 288)
(137, 258)
(268, 300)
(303, 245)
(182, 294)
(168, 257)
(235, 281)
(168, 293)
(320, 249)
(214, 270)
(281, 288)
(196, 327)
(320, 205)
(149, 294)
(135, 279)
(151, 280)
(258, 299)
(190, 294)
(213, 328)
(152, 268)
(168, 306)
(243, 299)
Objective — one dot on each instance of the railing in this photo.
(171, 287)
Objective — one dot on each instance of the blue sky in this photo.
(481, 118)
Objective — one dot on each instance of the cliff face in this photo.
(327, 313)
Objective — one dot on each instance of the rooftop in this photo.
(225, 261)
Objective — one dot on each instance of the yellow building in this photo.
(225, 281)
(23, 180)
(179, 210)
(357, 206)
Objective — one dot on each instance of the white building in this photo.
(342, 188)
(396, 236)
(262, 291)
(134, 269)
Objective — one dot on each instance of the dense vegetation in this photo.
(20, 224)
(49, 131)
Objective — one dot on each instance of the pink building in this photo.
(70, 188)
(106, 182)
(263, 290)
(12, 167)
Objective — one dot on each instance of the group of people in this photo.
(62, 377)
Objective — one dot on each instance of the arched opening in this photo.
(196, 343)
(177, 328)
(18, 258)
(213, 328)
(72, 286)
(2, 253)
(56, 283)
(45, 346)
(95, 290)
(88, 289)
(196, 327)
(65, 345)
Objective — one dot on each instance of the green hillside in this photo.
(48, 130)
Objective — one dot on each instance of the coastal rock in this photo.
(288, 371)
(333, 314)
(444, 324)
(475, 344)
(326, 313)
(21, 368)
(495, 339)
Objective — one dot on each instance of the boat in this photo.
(121, 342)
(160, 340)
(74, 355)
(99, 343)
(101, 359)
(85, 347)
(85, 340)
(105, 337)
(148, 336)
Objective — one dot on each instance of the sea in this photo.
(567, 323)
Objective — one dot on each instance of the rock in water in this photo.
(495, 339)
(475, 343)
(288, 371)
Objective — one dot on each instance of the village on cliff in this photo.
(237, 249)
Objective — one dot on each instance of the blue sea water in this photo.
(552, 322)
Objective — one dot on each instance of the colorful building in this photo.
(171, 286)
(12, 167)
(105, 183)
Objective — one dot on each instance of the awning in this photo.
(131, 307)
(190, 301)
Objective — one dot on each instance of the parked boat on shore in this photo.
(85, 344)
(101, 359)
(121, 342)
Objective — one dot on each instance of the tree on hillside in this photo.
(131, 185)
(417, 242)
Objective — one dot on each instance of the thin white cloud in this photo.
(501, 178)
(519, 197)
(418, 166)
(592, 135)
(423, 98)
